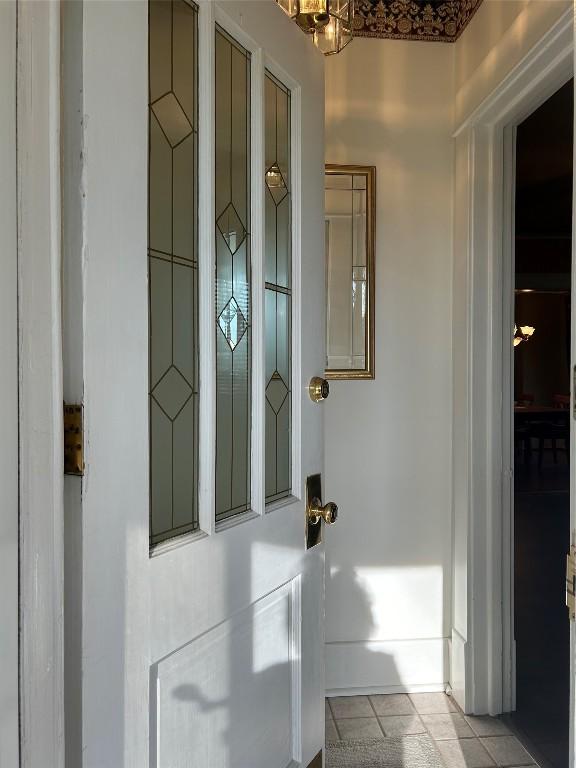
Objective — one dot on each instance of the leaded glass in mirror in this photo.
(278, 274)
(233, 283)
(350, 199)
(172, 267)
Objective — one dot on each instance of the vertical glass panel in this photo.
(278, 271)
(349, 197)
(233, 300)
(172, 268)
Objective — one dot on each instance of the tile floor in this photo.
(463, 742)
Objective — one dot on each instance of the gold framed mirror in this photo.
(350, 205)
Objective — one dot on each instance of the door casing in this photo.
(482, 657)
(9, 705)
(40, 386)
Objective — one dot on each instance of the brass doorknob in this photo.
(318, 389)
(328, 512)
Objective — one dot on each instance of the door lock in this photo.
(318, 389)
(317, 512)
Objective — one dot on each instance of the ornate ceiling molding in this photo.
(436, 20)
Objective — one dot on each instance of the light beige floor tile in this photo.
(451, 726)
(331, 732)
(401, 725)
(432, 703)
(359, 728)
(487, 726)
(464, 753)
(392, 704)
(351, 706)
(507, 751)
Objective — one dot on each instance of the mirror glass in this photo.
(349, 211)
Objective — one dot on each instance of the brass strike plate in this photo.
(313, 530)
(571, 582)
(73, 440)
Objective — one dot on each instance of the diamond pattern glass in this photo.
(172, 119)
(276, 392)
(233, 282)
(231, 228)
(232, 323)
(278, 269)
(172, 392)
(276, 184)
(172, 268)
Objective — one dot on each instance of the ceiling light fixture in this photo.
(524, 333)
(330, 22)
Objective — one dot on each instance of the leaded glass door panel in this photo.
(203, 176)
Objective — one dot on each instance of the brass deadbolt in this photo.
(319, 389)
(328, 512)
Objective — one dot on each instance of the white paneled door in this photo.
(202, 252)
(8, 394)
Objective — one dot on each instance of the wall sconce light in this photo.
(330, 22)
(524, 333)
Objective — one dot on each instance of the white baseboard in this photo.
(389, 666)
(378, 690)
(458, 668)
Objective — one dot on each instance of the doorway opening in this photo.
(541, 365)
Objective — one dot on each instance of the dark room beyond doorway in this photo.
(543, 254)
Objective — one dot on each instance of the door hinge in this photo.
(73, 439)
(571, 582)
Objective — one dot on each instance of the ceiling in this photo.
(435, 20)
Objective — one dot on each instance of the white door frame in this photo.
(9, 545)
(482, 658)
(40, 386)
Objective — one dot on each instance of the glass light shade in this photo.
(274, 178)
(308, 14)
(524, 333)
(329, 21)
(333, 37)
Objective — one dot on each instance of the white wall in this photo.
(398, 448)
(388, 441)
(500, 34)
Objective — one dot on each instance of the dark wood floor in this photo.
(542, 629)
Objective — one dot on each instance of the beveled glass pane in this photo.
(160, 190)
(359, 227)
(338, 181)
(278, 305)
(160, 471)
(160, 317)
(185, 60)
(233, 281)
(339, 266)
(159, 40)
(184, 463)
(172, 264)
(283, 243)
(349, 205)
(338, 202)
(184, 225)
(358, 323)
